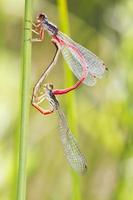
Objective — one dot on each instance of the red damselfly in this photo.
(86, 66)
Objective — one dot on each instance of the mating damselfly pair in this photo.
(85, 65)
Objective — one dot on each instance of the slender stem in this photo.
(70, 98)
(25, 101)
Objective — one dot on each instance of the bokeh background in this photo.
(104, 113)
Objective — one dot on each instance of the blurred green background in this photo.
(104, 113)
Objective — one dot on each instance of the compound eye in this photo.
(42, 17)
(50, 86)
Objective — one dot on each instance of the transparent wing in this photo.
(76, 66)
(71, 149)
(95, 65)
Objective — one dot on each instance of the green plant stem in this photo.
(25, 101)
(70, 98)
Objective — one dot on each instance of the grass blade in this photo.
(25, 101)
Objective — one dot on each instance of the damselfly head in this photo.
(50, 96)
(49, 86)
(42, 17)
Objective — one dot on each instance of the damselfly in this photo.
(86, 66)
(72, 152)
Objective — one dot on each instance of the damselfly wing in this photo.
(80, 59)
(71, 149)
